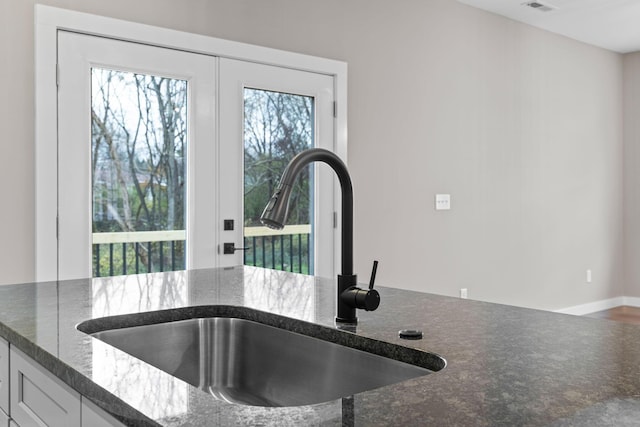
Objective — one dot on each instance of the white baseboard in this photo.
(592, 307)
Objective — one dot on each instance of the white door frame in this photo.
(50, 19)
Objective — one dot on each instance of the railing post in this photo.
(244, 255)
(281, 252)
(110, 259)
(124, 258)
(173, 255)
(273, 253)
(291, 252)
(253, 239)
(98, 260)
(149, 258)
(299, 253)
(308, 254)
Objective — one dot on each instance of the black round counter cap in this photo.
(410, 334)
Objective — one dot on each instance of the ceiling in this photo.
(611, 24)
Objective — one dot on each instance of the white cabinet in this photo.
(4, 382)
(31, 396)
(93, 416)
(38, 398)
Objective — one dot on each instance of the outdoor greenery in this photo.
(287, 253)
(123, 258)
(139, 134)
(139, 130)
(277, 126)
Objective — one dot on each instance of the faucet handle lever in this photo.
(353, 297)
(373, 274)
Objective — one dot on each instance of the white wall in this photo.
(522, 127)
(632, 173)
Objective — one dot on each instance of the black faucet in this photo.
(350, 297)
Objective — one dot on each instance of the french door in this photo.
(274, 113)
(154, 157)
(118, 151)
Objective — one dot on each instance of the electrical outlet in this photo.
(463, 293)
(443, 202)
(588, 276)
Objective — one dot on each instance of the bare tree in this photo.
(277, 127)
(138, 146)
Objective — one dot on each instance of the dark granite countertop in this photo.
(506, 366)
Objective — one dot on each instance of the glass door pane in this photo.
(138, 165)
(277, 126)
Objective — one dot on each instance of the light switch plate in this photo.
(443, 202)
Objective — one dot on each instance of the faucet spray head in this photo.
(275, 213)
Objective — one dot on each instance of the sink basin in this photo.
(245, 362)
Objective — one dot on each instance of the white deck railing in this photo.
(270, 249)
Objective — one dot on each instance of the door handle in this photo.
(230, 248)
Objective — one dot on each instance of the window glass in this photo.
(277, 126)
(138, 150)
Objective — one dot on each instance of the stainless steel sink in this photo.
(246, 362)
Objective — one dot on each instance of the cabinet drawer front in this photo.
(39, 399)
(4, 378)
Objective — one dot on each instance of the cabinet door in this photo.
(93, 416)
(4, 419)
(4, 378)
(38, 398)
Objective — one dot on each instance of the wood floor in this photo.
(623, 314)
